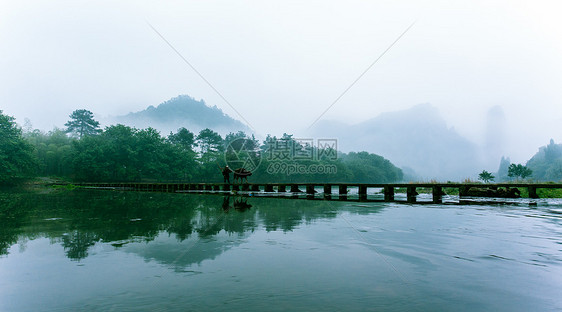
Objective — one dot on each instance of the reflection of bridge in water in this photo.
(338, 191)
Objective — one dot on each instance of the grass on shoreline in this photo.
(541, 192)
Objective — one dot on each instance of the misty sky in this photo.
(282, 63)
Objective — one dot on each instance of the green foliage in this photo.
(516, 171)
(122, 153)
(68, 187)
(82, 123)
(211, 147)
(485, 176)
(371, 168)
(126, 154)
(211, 144)
(549, 193)
(242, 151)
(52, 151)
(183, 138)
(288, 160)
(547, 163)
(17, 160)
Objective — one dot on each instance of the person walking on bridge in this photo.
(226, 174)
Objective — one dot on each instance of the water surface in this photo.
(131, 251)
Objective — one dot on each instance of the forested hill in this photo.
(182, 111)
(547, 163)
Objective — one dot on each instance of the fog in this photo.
(491, 68)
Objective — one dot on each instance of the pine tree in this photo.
(82, 123)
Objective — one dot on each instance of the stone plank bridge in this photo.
(341, 190)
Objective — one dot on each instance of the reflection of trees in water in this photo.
(76, 243)
(12, 219)
(80, 219)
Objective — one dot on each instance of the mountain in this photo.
(547, 163)
(182, 111)
(417, 138)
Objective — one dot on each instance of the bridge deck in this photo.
(308, 188)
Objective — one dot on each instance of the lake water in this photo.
(131, 251)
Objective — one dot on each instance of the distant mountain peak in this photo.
(417, 137)
(183, 111)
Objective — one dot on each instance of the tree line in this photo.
(545, 165)
(83, 152)
(514, 171)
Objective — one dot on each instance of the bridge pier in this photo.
(295, 188)
(411, 194)
(532, 192)
(437, 194)
(342, 191)
(327, 191)
(310, 189)
(388, 193)
(362, 192)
